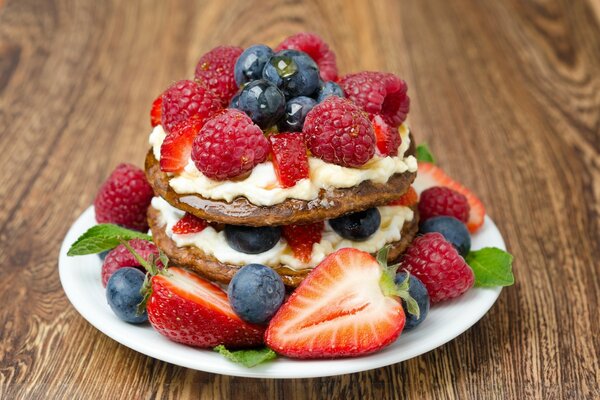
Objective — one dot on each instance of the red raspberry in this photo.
(378, 93)
(440, 200)
(301, 238)
(337, 131)
(215, 69)
(388, 138)
(120, 257)
(124, 198)
(187, 99)
(229, 145)
(288, 152)
(438, 265)
(317, 49)
(156, 111)
(189, 224)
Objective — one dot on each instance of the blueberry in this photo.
(256, 293)
(418, 292)
(103, 255)
(452, 229)
(234, 102)
(263, 102)
(327, 89)
(357, 226)
(123, 294)
(294, 72)
(295, 113)
(252, 240)
(250, 64)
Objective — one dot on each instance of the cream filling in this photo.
(262, 188)
(213, 243)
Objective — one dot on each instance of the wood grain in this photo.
(507, 93)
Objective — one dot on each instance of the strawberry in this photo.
(347, 306)
(388, 138)
(156, 111)
(410, 198)
(177, 147)
(189, 224)
(288, 152)
(430, 175)
(302, 237)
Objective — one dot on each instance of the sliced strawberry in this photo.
(177, 147)
(339, 310)
(302, 237)
(190, 310)
(156, 111)
(430, 175)
(288, 152)
(388, 138)
(189, 224)
(410, 198)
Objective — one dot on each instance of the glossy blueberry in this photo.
(357, 226)
(418, 292)
(123, 294)
(256, 293)
(234, 102)
(263, 102)
(329, 88)
(294, 72)
(452, 229)
(250, 64)
(252, 240)
(295, 113)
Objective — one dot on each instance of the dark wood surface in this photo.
(507, 93)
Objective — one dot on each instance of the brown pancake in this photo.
(329, 204)
(194, 259)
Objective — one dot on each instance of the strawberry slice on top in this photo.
(156, 111)
(388, 138)
(301, 238)
(176, 149)
(347, 306)
(189, 224)
(288, 152)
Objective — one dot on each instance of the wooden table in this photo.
(507, 94)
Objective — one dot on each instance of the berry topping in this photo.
(250, 64)
(290, 161)
(252, 240)
(256, 293)
(329, 89)
(453, 231)
(120, 257)
(388, 138)
(301, 238)
(358, 226)
(295, 113)
(156, 111)
(317, 49)
(263, 102)
(189, 224)
(229, 145)
(430, 175)
(187, 99)
(438, 265)
(123, 294)
(440, 200)
(176, 149)
(378, 93)
(340, 133)
(408, 199)
(124, 198)
(215, 70)
(294, 72)
(190, 310)
(417, 291)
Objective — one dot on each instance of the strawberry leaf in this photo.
(491, 266)
(248, 358)
(103, 237)
(424, 154)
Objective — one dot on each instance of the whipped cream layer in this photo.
(262, 188)
(213, 242)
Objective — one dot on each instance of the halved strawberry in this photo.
(177, 147)
(190, 310)
(347, 306)
(288, 152)
(408, 199)
(388, 138)
(302, 237)
(189, 224)
(430, 175)
(156, 111)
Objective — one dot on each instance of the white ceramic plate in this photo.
(80, 278)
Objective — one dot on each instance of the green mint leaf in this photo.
(248, 358)
(103, 237)
(491, 266)
(424, 154)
